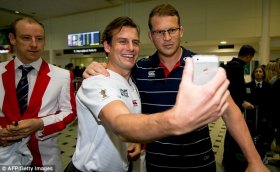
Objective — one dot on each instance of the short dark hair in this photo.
(246, 50)
(28, 19)
(117, 24)
(163, 10)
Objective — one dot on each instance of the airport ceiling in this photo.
(44, 9)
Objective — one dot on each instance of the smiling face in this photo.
(123, 50)
(29, 39)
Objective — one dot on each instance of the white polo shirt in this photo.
(98, 148)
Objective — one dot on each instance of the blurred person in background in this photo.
(258, 112)
(271, 70)
(276, 111)
(233, 159)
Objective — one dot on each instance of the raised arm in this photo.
(196, 105)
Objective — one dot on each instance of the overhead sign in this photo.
(84, 39)
(84, 50)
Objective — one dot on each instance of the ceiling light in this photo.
(223, 42)
(17, 12)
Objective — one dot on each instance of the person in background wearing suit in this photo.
(49, 105)
(235, 74)
(258, 111)
(275, 147)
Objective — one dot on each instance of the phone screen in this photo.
(205, 68)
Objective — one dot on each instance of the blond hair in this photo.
(272, 69)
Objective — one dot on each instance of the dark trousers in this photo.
(233, 158)
(71, 168)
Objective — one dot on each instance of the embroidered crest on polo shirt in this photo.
(134, 102)
(151, 74)
(124, 92)
(103, 93)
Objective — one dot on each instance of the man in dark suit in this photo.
(235, 74)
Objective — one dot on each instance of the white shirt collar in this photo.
(257, 82)
(36, 64)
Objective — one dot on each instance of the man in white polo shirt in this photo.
(98, 147)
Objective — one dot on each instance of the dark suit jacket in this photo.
(261, 99)
(235, 74)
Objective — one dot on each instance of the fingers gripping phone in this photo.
(205, 68)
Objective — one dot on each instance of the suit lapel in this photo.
(10, 104)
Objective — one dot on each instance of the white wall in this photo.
(206, 22)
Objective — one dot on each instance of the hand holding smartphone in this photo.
(205, 68)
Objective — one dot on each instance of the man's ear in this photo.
(12, 38)
(181, 31)
(106, 46)
(150, 36)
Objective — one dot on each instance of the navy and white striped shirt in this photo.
(189, 152)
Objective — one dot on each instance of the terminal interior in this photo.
(216, 27)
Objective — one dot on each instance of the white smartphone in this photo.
(205, 68)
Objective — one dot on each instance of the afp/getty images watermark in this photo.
(19, 168)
